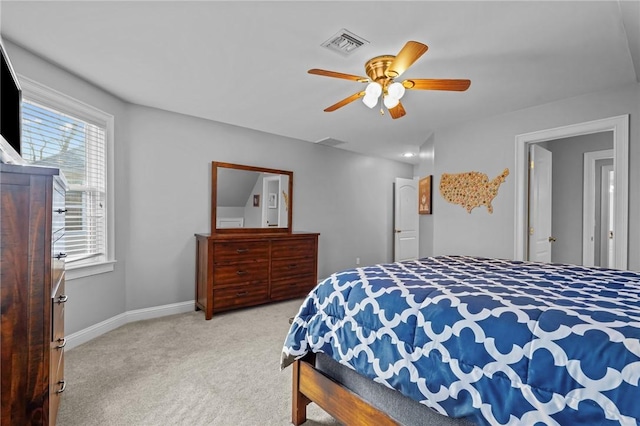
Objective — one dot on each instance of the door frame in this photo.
(589, 202)
(619, 125)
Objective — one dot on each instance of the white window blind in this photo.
(76, 146)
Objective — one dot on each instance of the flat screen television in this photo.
(10, 111)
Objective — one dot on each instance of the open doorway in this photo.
(598, 217)
(619, 129)
(563, 199)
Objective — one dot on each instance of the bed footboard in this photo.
(310, 385)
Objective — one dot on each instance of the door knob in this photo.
(552, 240)
(398, 231)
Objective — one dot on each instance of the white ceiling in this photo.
(245, 63)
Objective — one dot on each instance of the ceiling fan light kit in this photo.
(381, 72)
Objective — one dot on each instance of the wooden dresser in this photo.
(239, 270)
(32, 217)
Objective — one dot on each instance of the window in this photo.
(61, 132)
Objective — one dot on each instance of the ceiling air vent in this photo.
(329, 142)
(344, 42)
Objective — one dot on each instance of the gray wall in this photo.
(566, 202)
(426, 168)
(162, 186)
(94, 299)
(488, 146)
(163, 190)
(346, 197)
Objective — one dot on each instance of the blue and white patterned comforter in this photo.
(495, 341)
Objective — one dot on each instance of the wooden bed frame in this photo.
(311, 385)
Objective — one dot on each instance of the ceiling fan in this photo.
(381, 72)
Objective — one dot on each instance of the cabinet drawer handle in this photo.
(241, 272)
(242, 250)
(293, 266)
(64, 343)
(63, 387)
(242, 293)
(62, 299)
(61, 255)
(61, 211)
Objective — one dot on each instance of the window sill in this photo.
(86, 270)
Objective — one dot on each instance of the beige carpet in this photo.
(184, 370)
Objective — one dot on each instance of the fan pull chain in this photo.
(381, 108)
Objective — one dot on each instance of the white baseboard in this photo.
(89, 333)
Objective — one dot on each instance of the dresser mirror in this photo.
(249, 199)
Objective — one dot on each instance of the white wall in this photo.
(163, 190)
(488, 146)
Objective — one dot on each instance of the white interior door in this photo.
(270, 189)
(589, 249)
(540, 238)
(405, 220)
(608, 201)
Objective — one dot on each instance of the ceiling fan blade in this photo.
(437, 84)
(397, 111)
(344, 102)
(405, 58)
(334, 74)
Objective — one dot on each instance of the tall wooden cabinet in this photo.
(32, 213)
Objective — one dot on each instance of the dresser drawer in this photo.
(284, 268)
(57, 384)
(58, 302)
(293, 248)
(240, 251)
(238, 273)
(291, 287)
(59, 210)
(240, 295)
(58, 255)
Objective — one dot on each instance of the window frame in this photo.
(56, 100)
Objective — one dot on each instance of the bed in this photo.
(491, 341)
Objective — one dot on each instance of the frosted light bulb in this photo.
(373, 89)
(396, 90)
(391, 102)
(370, 101)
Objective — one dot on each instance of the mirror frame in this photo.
(214, 198)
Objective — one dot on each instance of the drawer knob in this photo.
(63, 387)
(61, 211)
(241, 272)
(242, 250)
(293, 266)
(62, 299)
(242, 293)
(61, 255)
(63, 344)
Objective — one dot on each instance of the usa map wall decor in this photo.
(471, 189)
